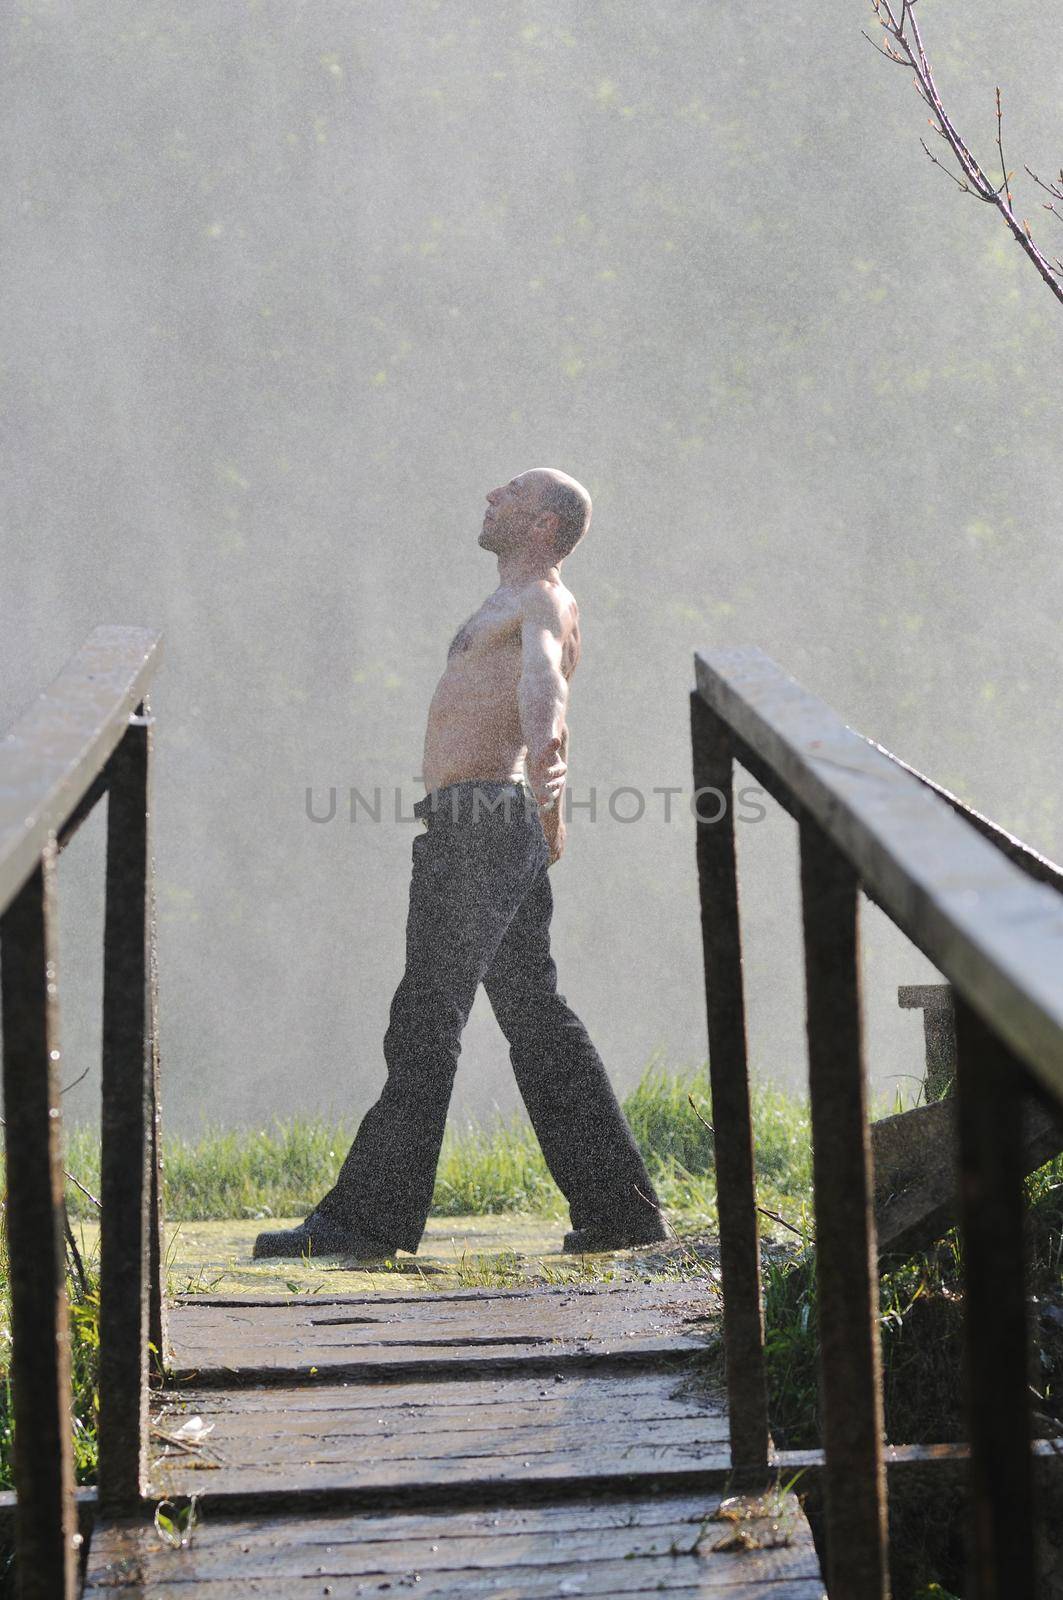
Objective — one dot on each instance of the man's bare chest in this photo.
(494, 626)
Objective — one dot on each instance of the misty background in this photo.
(289, 286)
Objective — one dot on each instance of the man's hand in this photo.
(554, 829)
(546, 772)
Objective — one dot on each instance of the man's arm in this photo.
(542, 693)
(553, 820)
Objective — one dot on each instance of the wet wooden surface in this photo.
(508, 1443)
(363, 1337)
(628, 1546)
(363, 1438)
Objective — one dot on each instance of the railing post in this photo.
(743, 1316)
(156, 1216)
(846, 1258)
(126, 1122)
(990, 1095)
(47, 1540)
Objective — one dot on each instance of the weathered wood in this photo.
(846, 1271)
(989, 1104)
(1035, 865)
(383, 1438)
(46, 1535)
(56, 750)
(479, 1463)
(125, 1127)
(157, 1314)
(365, 1339)
(426, 1304)
(920, 1471)
(917, 1180)
(995, 935)
(617, 1547)
(679, 1393)
(95, 792)
(743, 1316)
(773, 1575)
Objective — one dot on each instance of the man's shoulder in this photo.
(544, 600)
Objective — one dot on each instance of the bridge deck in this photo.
(516, 1443)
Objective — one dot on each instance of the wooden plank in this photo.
(635, 1394)
(40, 1350)
(365, 1337)
(394, 1436)
(58, 747)
(772, 1575)
(995, 935)
(601, 1548)
(693, 1297)
(916, 1168)
(697, 1292)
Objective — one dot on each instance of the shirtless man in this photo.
(480, 908)
(503, 695)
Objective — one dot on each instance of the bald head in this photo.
(568, 500)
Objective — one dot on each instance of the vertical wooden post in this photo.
(126, 1121)
(156, 1215)
(990, 1094)
(846, 1256)
(46, 1524)
(743, 1316)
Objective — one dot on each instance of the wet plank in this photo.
(613, 1547)
(372, 1337)
(371, 1441)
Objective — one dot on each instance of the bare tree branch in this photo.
(904, 45)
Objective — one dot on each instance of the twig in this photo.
(75, 1181)
(905, 47)
(86, 1192)
(771, 1215)
(1000, 147)
(684, 1243)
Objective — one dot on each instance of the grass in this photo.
(84, 1371)
(283, 1169)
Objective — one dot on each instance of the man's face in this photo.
(511, 510)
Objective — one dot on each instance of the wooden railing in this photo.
(866, 823)
(89, 735)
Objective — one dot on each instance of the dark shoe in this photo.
(615, 1236)
(319, 1235)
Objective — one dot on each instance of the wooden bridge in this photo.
(540, 1442)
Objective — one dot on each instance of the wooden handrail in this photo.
(987, 912)
(996, 937)
(88, 735)
(1035, 865)
(59, 747)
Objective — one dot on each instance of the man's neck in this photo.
(515, 572)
